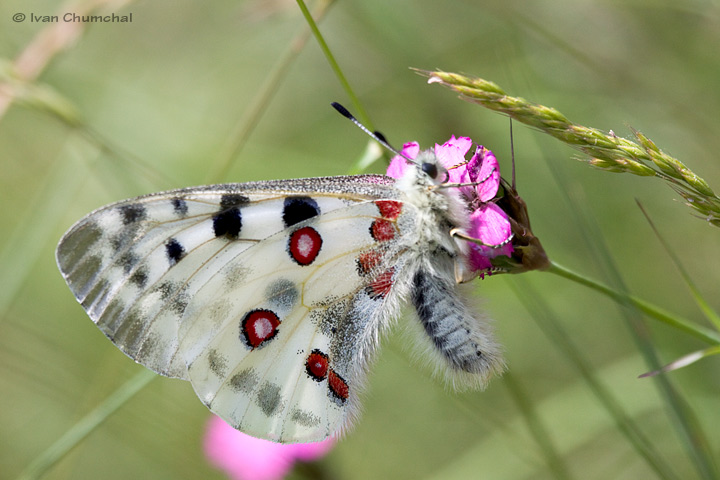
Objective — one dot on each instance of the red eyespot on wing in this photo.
(258, 326)
(317, 365)
(304, 245)
(367, 261)
(380, 287)
(338, 386)
(382, 230)
(389, 209)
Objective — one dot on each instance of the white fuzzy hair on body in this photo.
(439, 257)
(433, 253)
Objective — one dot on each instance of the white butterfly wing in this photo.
(253, 287)
(251, 351)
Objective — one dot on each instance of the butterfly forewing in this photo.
(266, 296)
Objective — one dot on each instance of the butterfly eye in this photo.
(430, 169)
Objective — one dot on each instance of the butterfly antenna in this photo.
(377, 136)
(512, 155)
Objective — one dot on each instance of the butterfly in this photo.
(270, 297)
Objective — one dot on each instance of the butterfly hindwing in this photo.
(267, 296)
(282, 356)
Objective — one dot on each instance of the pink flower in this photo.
(483, 168)
(243, 457)
(488, 223)
(398, 165)
(451, 155)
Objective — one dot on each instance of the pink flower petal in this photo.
(398, 165)
(491, 226)
(243, 457)
(484, 168)
(478, 261)
(451, 154)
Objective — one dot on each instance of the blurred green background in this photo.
(156, 104)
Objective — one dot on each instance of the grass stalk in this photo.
(361, 114)
(606, 150)
(655, 312)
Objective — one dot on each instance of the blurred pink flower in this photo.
(243, 457)
(488, 222)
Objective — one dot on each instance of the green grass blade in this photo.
(688, 429)
(357, 106)
(26, 242)
(685, 360)
(647, 308)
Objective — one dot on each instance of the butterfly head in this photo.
(427, 163)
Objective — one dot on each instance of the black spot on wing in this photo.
(179, 302)
(139, 277)
(173, 294)
(132, 213)
(167, 289)
(233, 200)
(244, 381)
(304, 418)
(297, 209)
(228, 223)
(175, 252)
(121, 240)
(217, 363)
(128, 260)
(180, 206)
(282, 294)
